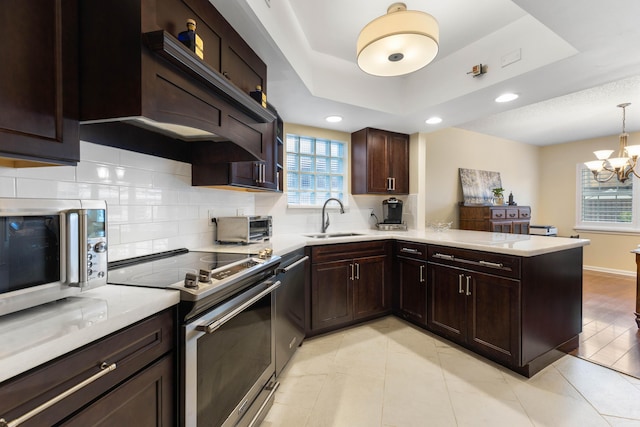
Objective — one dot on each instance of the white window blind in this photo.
(606, 205)
(316, 170)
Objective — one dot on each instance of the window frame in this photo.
(632, 227)
(344, 174)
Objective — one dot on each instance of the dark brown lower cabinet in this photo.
(349, 282)
(476, 309)
(140, 391)
(410, 292)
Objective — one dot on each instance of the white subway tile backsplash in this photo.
(46, 188)
(7, 186)
(99, 153)
(175, 212)
(165, 180)
(129, 214)
(53, 173)
(104, 173)
(148, 231)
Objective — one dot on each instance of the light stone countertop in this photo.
(35, 336)
(32, 337)
(511, 244)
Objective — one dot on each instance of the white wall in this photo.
(450, 149)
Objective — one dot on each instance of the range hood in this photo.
(152, 82)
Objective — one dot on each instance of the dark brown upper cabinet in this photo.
(379, 162)
(135, 71)
(39, 83)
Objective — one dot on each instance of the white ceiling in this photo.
(579, 59)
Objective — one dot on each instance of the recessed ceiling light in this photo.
(506, 97)
(334, 119)
(433, 120)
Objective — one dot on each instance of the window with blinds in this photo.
(316, 170)
(608, 204)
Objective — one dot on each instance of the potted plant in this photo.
(498, 194)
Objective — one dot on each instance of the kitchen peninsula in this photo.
(515, 299)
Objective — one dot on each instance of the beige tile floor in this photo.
(389, 373)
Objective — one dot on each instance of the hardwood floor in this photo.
(610, 336)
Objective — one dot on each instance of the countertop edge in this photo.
(100, 312)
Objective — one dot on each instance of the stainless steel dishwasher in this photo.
(290, 309)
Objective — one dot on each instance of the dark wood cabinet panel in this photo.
(475, 309)
(349, 283)
(133, 350)
(497, 219)
(331, 294)
(371, 293)
(410, 285)
(39, 83)
(379, 162)
(146, 399)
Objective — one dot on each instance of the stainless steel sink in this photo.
(330, 235)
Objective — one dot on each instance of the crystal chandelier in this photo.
(621, 167)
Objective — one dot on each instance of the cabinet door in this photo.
(521, 227)
(412, 289)
(331, 294)
(147, 399)
(446, 296)
(39, 82)
(399, 163)
(502, 226)
(370, 288)
(378, 171)
(492, 316)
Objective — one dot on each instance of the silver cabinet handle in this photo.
(216, 324)
(357, 270)
(468, 287)
(292, 266)
(443, 256)
(411, 251)
(105, 368)
(491, 264)
(422, 280)
(393, 184)
(460, 290)
(352, 276)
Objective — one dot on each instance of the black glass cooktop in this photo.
(163, 270)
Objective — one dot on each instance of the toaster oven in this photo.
(244, 229)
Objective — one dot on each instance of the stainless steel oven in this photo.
(227, 342)
(230, 360)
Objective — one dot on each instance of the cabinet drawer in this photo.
(411, 250)
(486, 262)
(343, 251)
(131, 349)
(512, 213)
(524, 213)
(498, 213)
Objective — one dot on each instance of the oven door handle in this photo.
(216, 324)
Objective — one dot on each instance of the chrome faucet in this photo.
(325, 225)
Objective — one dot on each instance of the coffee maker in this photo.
(392, 211)
(391, 215)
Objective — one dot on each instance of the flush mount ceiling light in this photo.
(433, 120)
(506, 97)
(333, 119)
(622, 166)
(400, 42)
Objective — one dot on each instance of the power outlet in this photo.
(239, 212)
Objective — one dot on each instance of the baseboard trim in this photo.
(610, 270)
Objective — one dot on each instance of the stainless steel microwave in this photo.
(244, 229)
(50, 249)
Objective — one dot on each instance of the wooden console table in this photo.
(637, 313)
